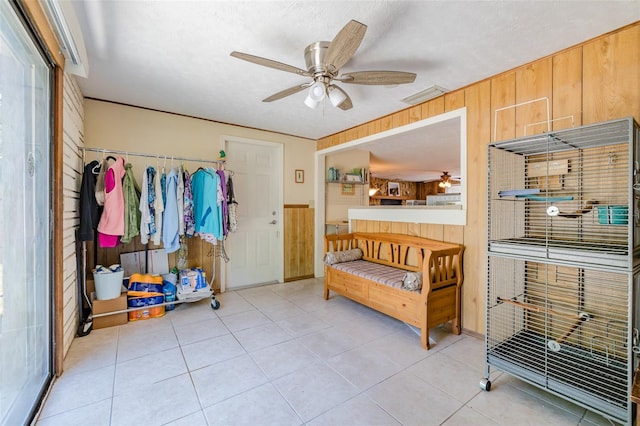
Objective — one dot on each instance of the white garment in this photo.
(180, 195)
(159, 206)
(145, 216)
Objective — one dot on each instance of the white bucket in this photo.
(109, 285)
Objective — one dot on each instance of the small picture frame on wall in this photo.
(348, 189)
(299, 176)
(394, 189)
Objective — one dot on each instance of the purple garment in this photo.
(189, 223)
(225, 209)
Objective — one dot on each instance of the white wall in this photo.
(119, 127)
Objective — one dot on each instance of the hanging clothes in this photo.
(232, 207)
(100, 187)
(111, 225)
(223, 201)
(180, 201)
(151, 200)
(89, 209)
(207, 211)
(131, 194)
(159, 208)
(145, 213)
(189, 224)
(170, 237)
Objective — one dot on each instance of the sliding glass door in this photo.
(25, 279)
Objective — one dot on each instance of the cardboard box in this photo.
(111, 305)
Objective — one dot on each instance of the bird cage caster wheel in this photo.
(485, 385)
(215, 304)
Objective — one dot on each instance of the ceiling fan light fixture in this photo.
(317, 93)
(311, 103)
(444, 180)
(336, 96)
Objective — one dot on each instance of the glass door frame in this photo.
(36, 22)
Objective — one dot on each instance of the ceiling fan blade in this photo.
(269, 63)
(378, 77)
(346, 104)
(344, 45)
(286, 92)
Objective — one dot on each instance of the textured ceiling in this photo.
(174, 55)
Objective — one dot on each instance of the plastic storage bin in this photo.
(108, 285)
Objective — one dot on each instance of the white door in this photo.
(255, 249)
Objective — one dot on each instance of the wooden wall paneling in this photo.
(398, 228)
(351, 134)
(432, 230)
(454, 100)
(503, 94)
(382, 226)
(298, 246)
(567, 89)
(358, 225)
(611, 73)
(290, 253)
(595, 81)
(374, 127)
(533, 81)
(308, 231)
(386, 123)
(433, 107)
(415, 113)
(400, 118)
(453, 234)
(323, 143)
(363, 131)
(479, 116)
(413, 229)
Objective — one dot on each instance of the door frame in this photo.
(226, 139)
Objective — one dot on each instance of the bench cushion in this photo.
(382, 274)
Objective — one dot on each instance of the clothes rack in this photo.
(146, 155)
(85, 322)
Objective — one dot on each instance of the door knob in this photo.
(273, 222)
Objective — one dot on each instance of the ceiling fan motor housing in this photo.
(314, 59)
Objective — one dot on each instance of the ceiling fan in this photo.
(324, 60)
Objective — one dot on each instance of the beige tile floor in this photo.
(281, 355)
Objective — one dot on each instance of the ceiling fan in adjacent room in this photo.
(324, 60)
(446, 180)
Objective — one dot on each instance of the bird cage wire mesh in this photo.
(562, 234)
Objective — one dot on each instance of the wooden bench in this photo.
(440, 263)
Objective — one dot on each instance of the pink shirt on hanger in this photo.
(111, 226)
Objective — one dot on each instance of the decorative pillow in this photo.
(412, 281)
(342, 256)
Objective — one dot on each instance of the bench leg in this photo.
(326, 291)
(456, 326)
(424, 338)
(456, 321)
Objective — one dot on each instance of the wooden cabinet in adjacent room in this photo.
(298, 242)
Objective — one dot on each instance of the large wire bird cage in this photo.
(563, 244)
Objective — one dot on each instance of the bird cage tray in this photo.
(610, 255)
(589, 380)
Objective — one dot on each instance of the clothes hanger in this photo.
(96, 169)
